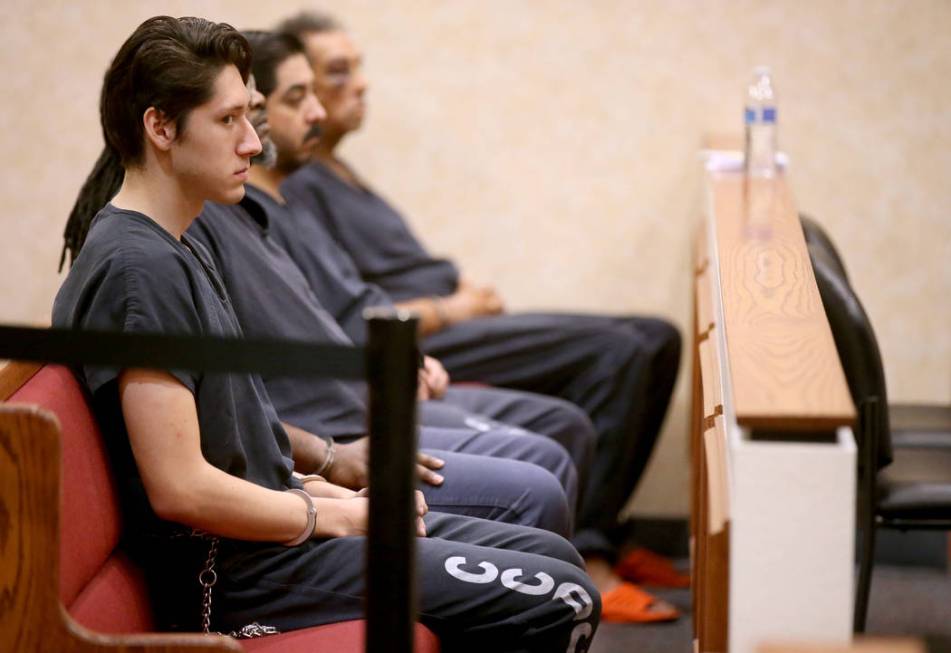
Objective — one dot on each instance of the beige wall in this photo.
(551, 147)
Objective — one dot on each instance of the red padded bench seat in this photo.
(99, 586)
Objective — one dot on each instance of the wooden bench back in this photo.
(58, 541)
(98, 585)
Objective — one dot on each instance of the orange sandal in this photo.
(646, 567)
(627, 603)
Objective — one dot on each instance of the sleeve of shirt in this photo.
(138, 293)
(329, 271)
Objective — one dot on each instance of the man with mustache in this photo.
(620, 370)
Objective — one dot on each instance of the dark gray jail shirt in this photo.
(272, 299)
(373, 233)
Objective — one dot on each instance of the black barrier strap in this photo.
(198, 353)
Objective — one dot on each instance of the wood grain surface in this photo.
(31, 615)
(13, 374)
(785, 370)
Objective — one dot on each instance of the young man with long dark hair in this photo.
(204, 463)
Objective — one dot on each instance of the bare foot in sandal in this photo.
(624, 602)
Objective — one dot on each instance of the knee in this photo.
(658, 343)
(546, 502)
(660, 334)
(625, 350)
(665, 357)
(557, 547)
(577, 426)
(671, 341)
(663, 338)
(556, 459)
(549, 454)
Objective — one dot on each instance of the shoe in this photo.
(627, 603)
(645, 567)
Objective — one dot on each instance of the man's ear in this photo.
(158, 129)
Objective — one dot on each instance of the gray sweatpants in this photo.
(514, 412)
(481, 586)
(495, 488)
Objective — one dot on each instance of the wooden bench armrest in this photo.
(31, 615)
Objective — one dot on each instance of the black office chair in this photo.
(913, 425)
(920, 426)
(817, 236)
(900, 488)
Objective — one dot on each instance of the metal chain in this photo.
(253, 630)
(207, 578)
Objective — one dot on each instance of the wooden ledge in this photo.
(784, 365)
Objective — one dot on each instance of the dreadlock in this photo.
(100, 186)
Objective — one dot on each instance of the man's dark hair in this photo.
(170, 64)
(309, 22)
(270, 50)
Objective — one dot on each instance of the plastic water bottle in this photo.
(760, 119)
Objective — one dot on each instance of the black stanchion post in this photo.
(392, 363)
